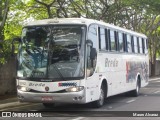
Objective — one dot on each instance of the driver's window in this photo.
(92, 48)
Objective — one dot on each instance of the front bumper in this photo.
(68, 97)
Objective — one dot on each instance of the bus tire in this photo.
(49, 105)
(100, 102)
(135, 93)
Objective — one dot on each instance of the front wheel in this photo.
(100, 102)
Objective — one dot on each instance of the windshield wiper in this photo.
(57, 70)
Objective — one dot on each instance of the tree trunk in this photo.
(153, 65)
(3, 17)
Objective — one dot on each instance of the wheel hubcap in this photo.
(137, 88)
(101, 99)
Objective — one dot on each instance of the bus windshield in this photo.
(55, 52)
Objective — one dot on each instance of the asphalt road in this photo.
(118, 107)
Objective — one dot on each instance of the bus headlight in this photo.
(22, 88)
(75, 89)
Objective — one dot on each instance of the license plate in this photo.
(47, 98)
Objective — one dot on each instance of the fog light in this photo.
(75, 98)
(80, 97)
(22, 88)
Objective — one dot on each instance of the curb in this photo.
(154, 79)
(12, 104)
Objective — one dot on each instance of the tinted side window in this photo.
(112, 40)
(92, 35)
(140, 45)
(120, 36)
(146, 45)
(91, 49)
(132, 44)
(129, 45)
(102, 39)
(135, 44)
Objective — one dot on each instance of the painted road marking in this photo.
(156, 92)
(78, 118)
(110, 107)
(130, 101)
(154, 79)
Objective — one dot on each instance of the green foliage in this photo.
(137, 15)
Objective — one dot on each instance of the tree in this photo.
(138, 15)
(4, 8)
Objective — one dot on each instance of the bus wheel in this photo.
(100, 102)
(49, 105)
(135, 92)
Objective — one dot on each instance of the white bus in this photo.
(78, 60)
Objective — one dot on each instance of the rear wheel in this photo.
(135, 93)
(49, 105)
(100, 101)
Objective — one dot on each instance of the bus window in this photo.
(102, 39)
(112, 40)
(124, 42)
(120, 36)
(146, 45)
(135, 44)
(92, 35)
(140, 45)
(132, 44)
(129, 46)
(107, 39)
(92, 50)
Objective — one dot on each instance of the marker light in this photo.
(75, 89)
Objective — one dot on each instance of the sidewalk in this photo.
(7, 101)
(154, 78)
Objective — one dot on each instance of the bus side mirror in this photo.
(16, 40)
(89, 42)
(93, 53)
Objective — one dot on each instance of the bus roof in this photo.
(81, 21)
